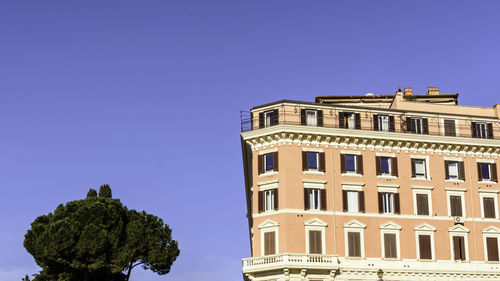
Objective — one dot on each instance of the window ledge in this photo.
(352, 175)
(421, 179)
(356, 258)
(453, 180)
(267, 174)
(313, 173)
(391, 259)
(386, 177)
(486, 182)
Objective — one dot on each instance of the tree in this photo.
(99, 239)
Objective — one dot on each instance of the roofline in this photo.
(426, 96)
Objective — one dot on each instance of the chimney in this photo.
(433, 91)
(408, 91)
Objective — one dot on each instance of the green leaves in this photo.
(99, 239)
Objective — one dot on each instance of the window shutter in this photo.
(276, 201)
(276, 118)
(395, 166)
(397, 207)
(261, 119)
(260, 164)
(493, 168)
(449, 128)
(375, 122)
(354, 244)
(344, 200)
(457, 248)
(275, 161)
(479, 174)
(304, 161)
(492, 245)
(422, 204)
(408, 125)
(392, 127)
(306, 199)
(446, 170)
(341, 120)
(266, 243)
(269, 243)
(425, 247)
(359, 164)
(380, 202)
(320, 118)
(312, 242)
(361, 201)
(350, 244)
(321, 161)
(490, 130)
(461, 171)
(261, 201)
(456, 206)
(425, 126)
(390, 245)
(357, 120)
(342, 163)
(323, 199)
(302, 117)
(377, 165)
(489, 207)
(413, 170)
(473, 129)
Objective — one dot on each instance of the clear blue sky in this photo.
(145, 96)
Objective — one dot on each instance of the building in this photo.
(370, 187)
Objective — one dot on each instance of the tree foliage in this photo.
(105, 191)
(99, 239)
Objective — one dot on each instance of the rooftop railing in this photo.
(367, 119)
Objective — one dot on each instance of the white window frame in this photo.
(419, 119)
(481, 136)
(426, 191)
(488, 194)
(491, 232)
(390, 228)
(355, 163)
(268, 114)
(425, 229)
(455, 192)
(357, 201)
(389, 164)
(426, 167)
(315, 122)
(311, 200)
(351, 120)
(354, 226)
(449, 170)
(386, 195)
(316, 224)
(265, 162)
(383, 119)
(459, 230)
(269, 226)
(317, 161)
(272, 207)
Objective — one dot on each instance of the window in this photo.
(418, 168)
(354, 242)
(458, 248)
(390, 246)
(422, 204)
(449, 128)
(350, 163)
(311, 117)
(268, 162)
(386, 166)
(454, 170)
(353, 201)
(349, 120)
(482, 130)
(313, 161)
(383, 123)
(487, 171)
(492, 249)
(314, 199)
(268, 200)
(268, 118)
(455, 205)
(269, 243)
(417, 125)
(489, 206)
(388, 203)
(315, 243)
(425, 248)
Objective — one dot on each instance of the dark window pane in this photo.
(312, 160)
(269, 162)
(354, 244)
(489, 207)
(424, 242)
(485, 171)
(390, 245)
(350, 163)
(384, 165)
